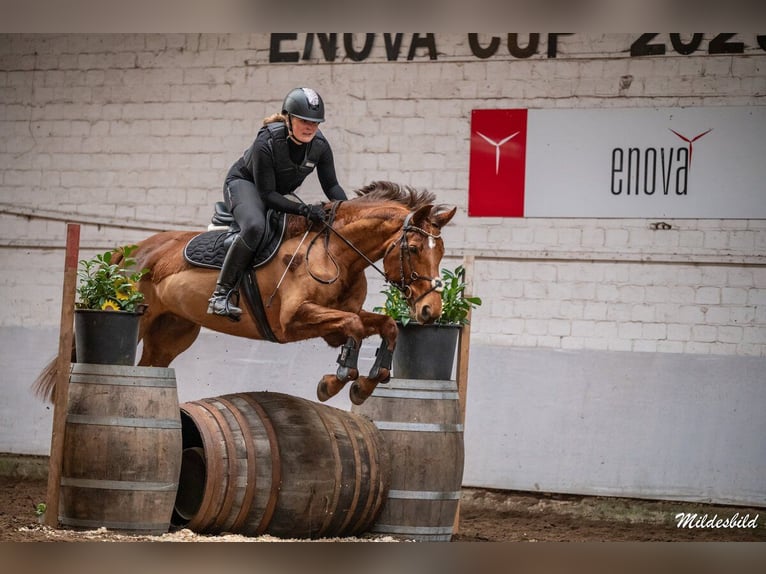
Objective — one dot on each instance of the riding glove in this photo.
(314, 213)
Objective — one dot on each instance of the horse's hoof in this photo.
(356, 394)
(322, 392)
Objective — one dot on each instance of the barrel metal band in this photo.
(419, 384)
(394, 393)
(119, 484)
(424, 495)
(81, 523)
(415, 530)
(418, 427)
(124, 422)
(93, 379)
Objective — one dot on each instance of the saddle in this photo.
(208, 249)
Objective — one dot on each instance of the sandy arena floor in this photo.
(485, 515)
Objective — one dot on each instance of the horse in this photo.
(315, 283)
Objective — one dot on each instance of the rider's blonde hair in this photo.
(273, 118)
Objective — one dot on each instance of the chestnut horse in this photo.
(314, 288)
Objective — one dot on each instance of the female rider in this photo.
(286, 150)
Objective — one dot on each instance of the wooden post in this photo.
(63, 365)
(465, 340)
(461, 372)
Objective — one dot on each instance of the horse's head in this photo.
(412, 261)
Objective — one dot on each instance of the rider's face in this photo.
(304, 130)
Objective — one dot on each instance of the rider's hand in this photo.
(314, 213)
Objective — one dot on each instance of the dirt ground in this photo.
(485, 515)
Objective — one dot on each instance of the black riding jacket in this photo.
(277, 166)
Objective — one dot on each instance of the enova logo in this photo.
(661, 170)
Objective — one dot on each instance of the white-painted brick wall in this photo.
(141, 128)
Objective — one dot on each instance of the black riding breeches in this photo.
(248, 210)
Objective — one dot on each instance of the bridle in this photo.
(404, 284)
(436, 284)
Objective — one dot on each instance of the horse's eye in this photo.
(412, 249)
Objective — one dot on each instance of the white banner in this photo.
(672, 162)
(646, 163)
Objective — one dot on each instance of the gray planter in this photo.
(106, 337)
(425, 351)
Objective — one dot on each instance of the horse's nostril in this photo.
(425, 313)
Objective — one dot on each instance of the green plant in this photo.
(40, 508)
(455, 304)
(110, 286)
(395, 305)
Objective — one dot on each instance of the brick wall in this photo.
(129, 133)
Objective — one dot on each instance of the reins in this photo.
(326, 235)
(406, 289)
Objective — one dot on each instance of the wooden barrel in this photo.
(420, 420)
(122, 449)
(269, 463)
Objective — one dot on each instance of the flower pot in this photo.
(106, 337)
(425, 351)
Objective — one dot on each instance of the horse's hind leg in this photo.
(165, 337)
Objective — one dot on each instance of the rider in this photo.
(286, 150)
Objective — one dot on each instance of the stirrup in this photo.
(221, 304)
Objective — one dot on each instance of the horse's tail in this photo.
(44, 386)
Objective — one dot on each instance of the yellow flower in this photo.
(110, 305)
(122, 296)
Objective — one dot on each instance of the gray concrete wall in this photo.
(645, 425)
(669, 425)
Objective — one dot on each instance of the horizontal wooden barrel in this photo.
(122, 449)
(270, 463)
(420, 420)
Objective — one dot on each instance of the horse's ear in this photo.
(440, 217)
(421, 215)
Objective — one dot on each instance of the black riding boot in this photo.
(238, 258)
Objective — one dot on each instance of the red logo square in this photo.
(497, 163)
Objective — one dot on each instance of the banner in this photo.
(630, 163)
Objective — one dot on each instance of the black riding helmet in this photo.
(304, 103)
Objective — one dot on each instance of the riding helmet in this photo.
(304, 103)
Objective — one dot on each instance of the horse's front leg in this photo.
(340, 329)
(330, 385)
(381, 368)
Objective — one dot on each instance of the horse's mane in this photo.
(390, 191)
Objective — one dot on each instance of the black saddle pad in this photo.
(209, 248)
